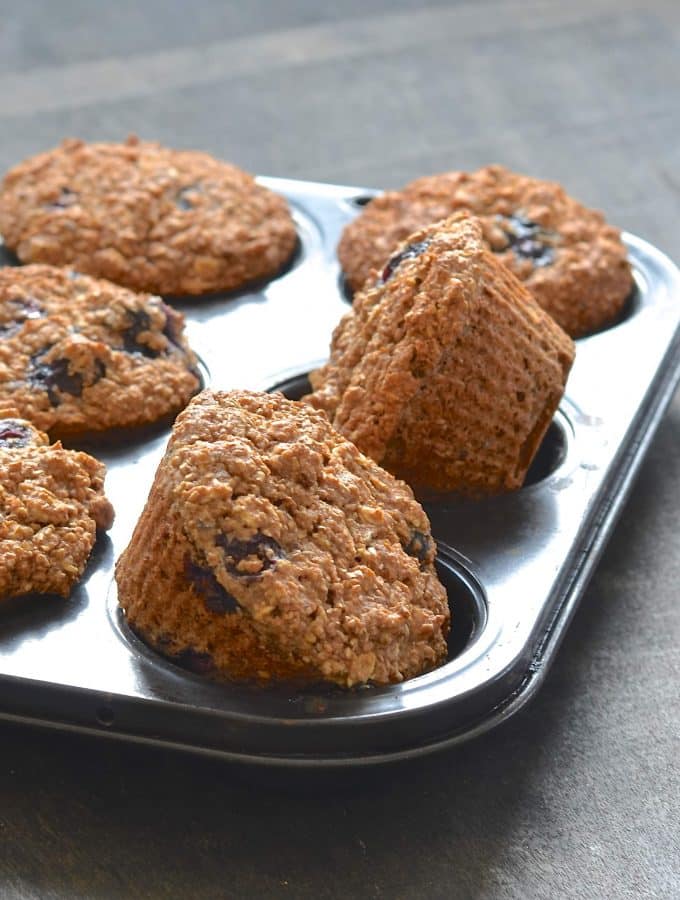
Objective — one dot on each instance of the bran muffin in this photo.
(51, 504)
(174, 222)
(571, 260)
(270, 547)
(446, 372)
(79, 354)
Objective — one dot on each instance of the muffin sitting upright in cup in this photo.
(150, 218)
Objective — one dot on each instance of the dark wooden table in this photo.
(577, 796)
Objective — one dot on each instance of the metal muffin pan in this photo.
(515, 566)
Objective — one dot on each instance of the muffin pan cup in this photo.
(515, 566)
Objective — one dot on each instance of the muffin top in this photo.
(572, 261)
(330, 556)
(145, 216)
(51, 503)
(80, 354)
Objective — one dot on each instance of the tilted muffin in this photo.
(145, 216)
(270, 547)
(79, 354)
(447, 372)
(51, 504)
(571, 260)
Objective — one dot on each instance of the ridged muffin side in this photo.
(446, 372)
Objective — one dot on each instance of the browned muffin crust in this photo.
(446, 372)
(51, 503)
(79, 354)
(571, 260)
(270, 547)
(147, 217)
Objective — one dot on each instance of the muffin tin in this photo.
(515, 566)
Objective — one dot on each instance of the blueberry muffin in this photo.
(147, 217)
(78, 354)
(51, 504)
(270, 547)
(571, 260)
(446, 371)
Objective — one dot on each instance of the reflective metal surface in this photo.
(515, 566)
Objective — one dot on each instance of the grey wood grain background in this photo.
(576, 797)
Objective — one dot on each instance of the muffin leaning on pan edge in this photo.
(446, 371)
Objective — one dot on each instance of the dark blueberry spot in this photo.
(409, 252)
(215, 597)
(260, 548)
(99, 371)
(29, 307)
(183, 198)
(10, 328)
(520, 227)
(65, 199)
(54, 376)
(528, 239)
(220, 604)
(193, 661)
(529, 247)
(13, 433)
(173, 326)
(419, 545)
(22, 309)
(139, 322)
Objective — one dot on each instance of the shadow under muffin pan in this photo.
(515, 566)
